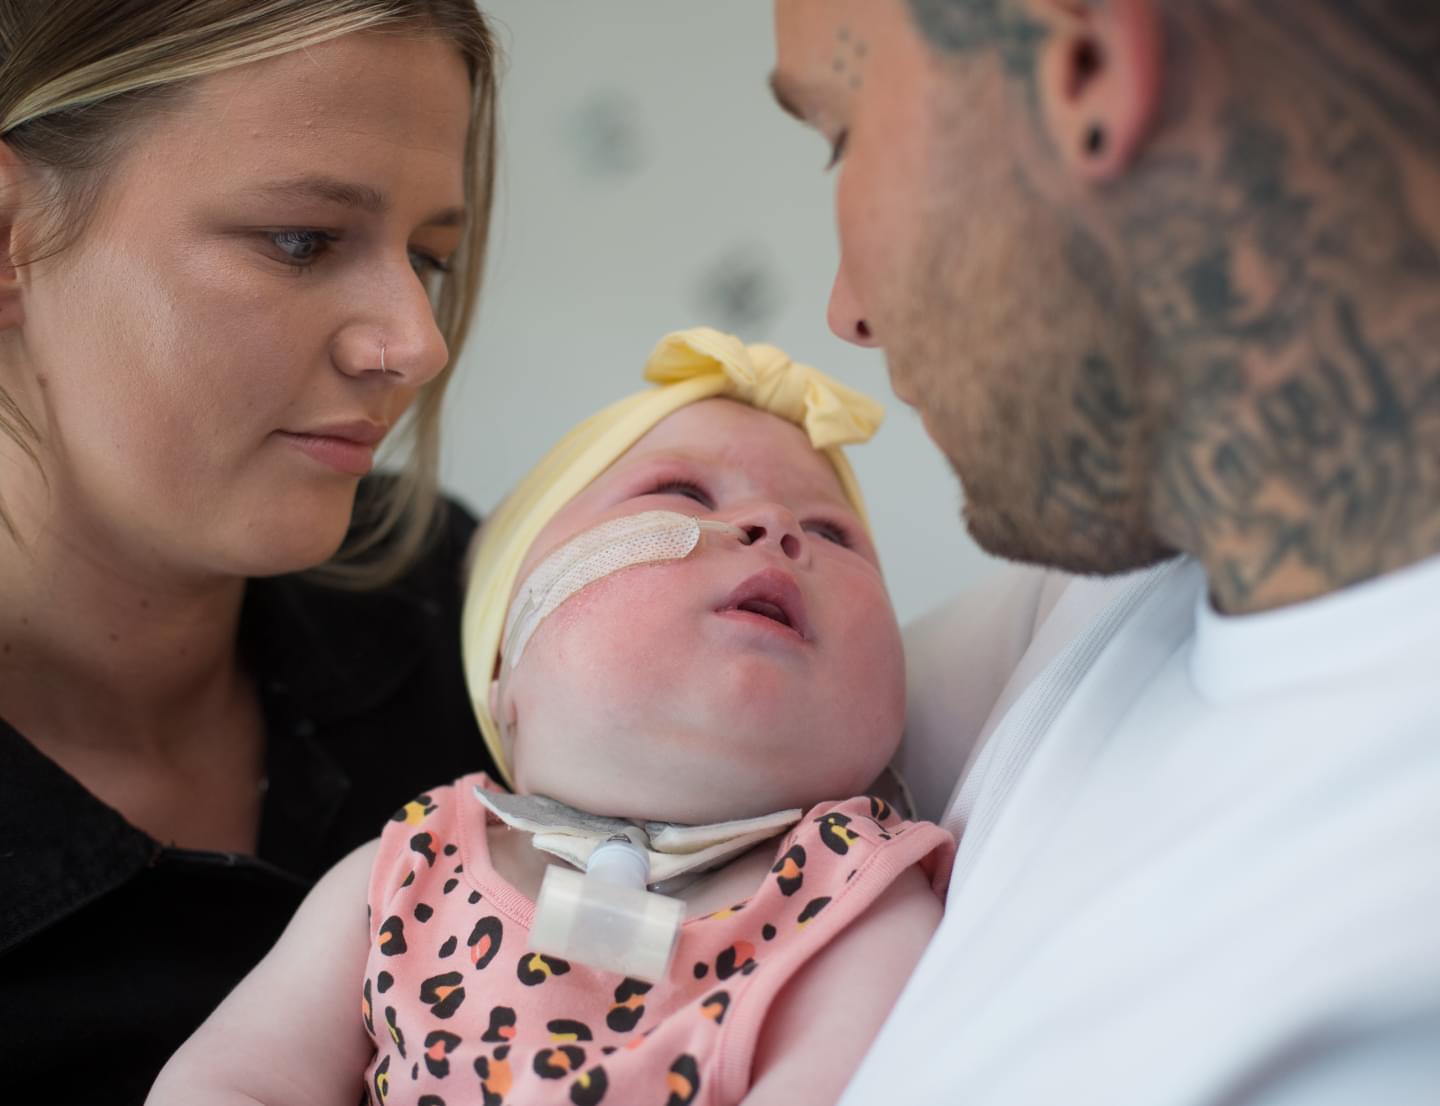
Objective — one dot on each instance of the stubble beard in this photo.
(1030, 383)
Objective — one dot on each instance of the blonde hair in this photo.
(75, 74)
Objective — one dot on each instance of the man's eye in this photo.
(831, 532)
(685, 488)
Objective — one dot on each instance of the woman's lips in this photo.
(344, 447)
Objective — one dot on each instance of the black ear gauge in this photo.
(1094, 140)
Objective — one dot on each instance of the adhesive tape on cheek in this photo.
(646, 538)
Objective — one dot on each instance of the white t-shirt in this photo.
(1200, 860)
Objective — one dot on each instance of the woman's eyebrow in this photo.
(362, 197)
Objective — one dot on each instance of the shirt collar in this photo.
(1368, 627)
(328, 655)
(60, 847)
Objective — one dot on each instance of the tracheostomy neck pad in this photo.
(607, 918)
(646, 538)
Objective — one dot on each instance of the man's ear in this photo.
(1099, 81)
(13, 184)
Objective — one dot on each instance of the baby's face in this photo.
(740, 680)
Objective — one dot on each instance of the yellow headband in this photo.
(687, 366)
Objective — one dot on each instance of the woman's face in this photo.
(204, 364)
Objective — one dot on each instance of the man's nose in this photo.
(845, 316)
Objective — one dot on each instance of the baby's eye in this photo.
(684, 488)
(830, 531)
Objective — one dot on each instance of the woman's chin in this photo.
(282, 547)
(291, 533)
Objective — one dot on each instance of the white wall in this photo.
(649, 183)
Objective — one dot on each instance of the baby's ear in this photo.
(502, 708)
(495, 702)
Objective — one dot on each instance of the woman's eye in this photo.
(830, 531)
(302, 248)
(427, 264)
(684, 488)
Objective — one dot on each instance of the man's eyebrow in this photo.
(362, 197)
(787, 95)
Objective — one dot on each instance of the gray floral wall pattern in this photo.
(648, 183)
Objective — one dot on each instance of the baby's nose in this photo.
(788, 539)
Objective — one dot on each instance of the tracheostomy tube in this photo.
(607, 918)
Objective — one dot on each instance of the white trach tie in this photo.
(646, 538)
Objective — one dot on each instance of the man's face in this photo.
(970, 258)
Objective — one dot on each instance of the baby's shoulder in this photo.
(840, 825)
(425, 832)
(860, 840)
(437, 805)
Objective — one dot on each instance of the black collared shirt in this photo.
(114, 947)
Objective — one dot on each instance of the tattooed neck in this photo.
(1288, 274)
(1291, 282)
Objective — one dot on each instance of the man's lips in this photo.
(772, 595)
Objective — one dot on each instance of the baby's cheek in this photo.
(874, 664)
(610, 644)
(610, 612)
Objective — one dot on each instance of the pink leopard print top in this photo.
(461, 1012)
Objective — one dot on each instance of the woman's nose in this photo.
(772, 524)
(399, 342)
(845, 317)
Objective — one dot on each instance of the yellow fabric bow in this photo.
(765, 377)
(688, 366)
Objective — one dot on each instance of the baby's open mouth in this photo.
(771, 594)
(768, 610)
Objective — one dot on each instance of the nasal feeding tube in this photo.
(645, 538)
(607, 918)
